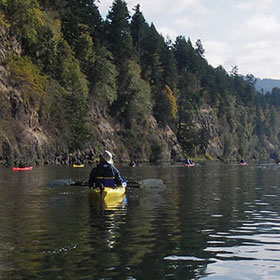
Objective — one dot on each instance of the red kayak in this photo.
(22, 168)
(242, 163)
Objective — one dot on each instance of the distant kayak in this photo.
(189, 164)
(22, 168)
(78, 165)
(242, 163)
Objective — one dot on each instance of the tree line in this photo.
(72, 59)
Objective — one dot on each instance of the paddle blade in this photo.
(132, 184)
(151, 183)
(81, 183)
(60, 182)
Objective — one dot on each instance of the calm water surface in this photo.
(211, 221)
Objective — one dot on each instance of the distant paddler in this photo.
(188, 162)
(78, 163)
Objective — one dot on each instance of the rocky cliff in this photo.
(24, 137)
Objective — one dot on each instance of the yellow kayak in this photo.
(78, 165)
(108, 194)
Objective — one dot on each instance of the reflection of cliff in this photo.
(216, 208)
(38, 225)
(19, 220)
(142, 221)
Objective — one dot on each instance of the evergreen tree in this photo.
(199, 48)
(166, 109)
(85, 52)
(104, 78)
(118, 32)
(169, 67)
(26, 19)
(78, 13)
(133, 103)
(186, 86)
(76, 92)
(139, 31)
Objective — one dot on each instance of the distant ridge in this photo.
(266, 85)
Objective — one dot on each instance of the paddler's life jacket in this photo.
(104, 176)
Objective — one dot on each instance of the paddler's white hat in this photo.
(108, 157)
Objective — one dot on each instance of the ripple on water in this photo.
(183, 258)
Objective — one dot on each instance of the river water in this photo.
(210, 221)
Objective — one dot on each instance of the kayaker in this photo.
(21, 164)
(105, 173)
(242, 161)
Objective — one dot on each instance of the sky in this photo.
(242, 33)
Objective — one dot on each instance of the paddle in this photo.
(69, 182)
(130, 184)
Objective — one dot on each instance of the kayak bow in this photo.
(78, 165)
(22, 168)
(192, 164)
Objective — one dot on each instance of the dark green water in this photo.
(211, 221)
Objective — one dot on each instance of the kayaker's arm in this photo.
(118, 179)
(92, 176)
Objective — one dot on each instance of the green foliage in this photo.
(166, 107)
(133, 102)
(65, 110)
(80, 13)
(119, 38)
(158, 149)
(3, 21)
(85, 53)
(74, 97)
(76, 107)
(43, 52)
(139, 30)
(228, 146)
(104, 78)
(136, 141)
(32, 83)
(25, 18)
(65, 58)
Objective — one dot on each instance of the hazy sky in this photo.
(245, 33)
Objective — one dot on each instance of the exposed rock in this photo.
(207, 119)
(8, 45)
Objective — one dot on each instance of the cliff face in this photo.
(22, 136)
(207, 119)
(108, 133)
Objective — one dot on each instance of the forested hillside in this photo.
(266, 85)
(73, 83)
